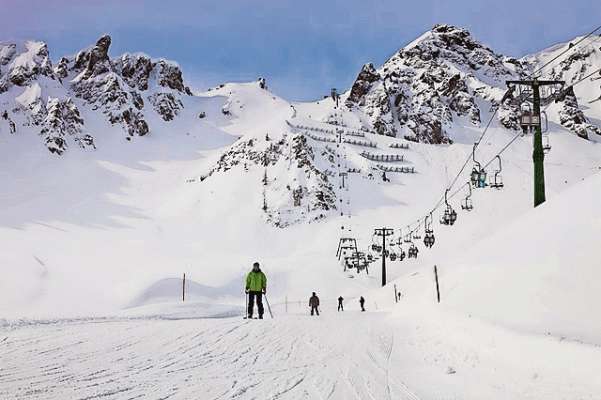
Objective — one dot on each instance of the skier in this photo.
(256, 285)
(362, 303)
(314, 304)
(340, 306)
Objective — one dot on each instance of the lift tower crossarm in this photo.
(538, 154)
(531, 82)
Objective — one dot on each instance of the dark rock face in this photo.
(572, 117)
(135, 70)
(166, 105)
(61, 70)
(62, 120)
(366, 77)
(170, 76)
(98, 61)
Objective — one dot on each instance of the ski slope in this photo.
(98, 242)
(397, 354)
(504, 329)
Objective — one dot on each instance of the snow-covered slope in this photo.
(220, 173)
(536, 275)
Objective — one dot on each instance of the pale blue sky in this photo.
(302, 47)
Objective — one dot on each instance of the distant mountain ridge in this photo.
(418, 94)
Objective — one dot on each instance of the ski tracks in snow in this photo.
(294, 357)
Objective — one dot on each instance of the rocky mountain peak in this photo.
(98, 61)
(446, 74)
(21, 64)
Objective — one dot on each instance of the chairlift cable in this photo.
(565, 51)
(477, 143)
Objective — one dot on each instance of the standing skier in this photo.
(340, 306)
(314, 304)
(362, 303)
(256, 285)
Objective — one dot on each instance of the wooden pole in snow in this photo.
(437, 287)
(396, 297)
(184, 288)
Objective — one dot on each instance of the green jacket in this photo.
(256, 281)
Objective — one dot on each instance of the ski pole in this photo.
(268, 306)
(245, 305)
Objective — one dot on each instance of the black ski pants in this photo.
(251, 303)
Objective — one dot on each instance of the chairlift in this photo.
(407, 237)
(467, 204)
(496, 181)
(450, 215)
(429, 235)
(413, 251)
(546, 144)
(528, 119)
(478, 175)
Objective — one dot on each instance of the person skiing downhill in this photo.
(362, 303)
(340, 306)
(256, 286)
(314, 303)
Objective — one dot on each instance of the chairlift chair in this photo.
(478, 175)
(528, 119)
(450, 215)
(413, 251)
(467, 204)
(429, 235)
(496, 181)
(546, 144)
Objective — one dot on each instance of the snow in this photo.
(27, 58)
(90, 297)
(30, 96)
(550, 287)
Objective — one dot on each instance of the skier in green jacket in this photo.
(256, 285)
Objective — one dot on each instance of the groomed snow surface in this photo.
(95, 245)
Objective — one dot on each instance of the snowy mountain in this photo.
(125, 91)
(117, 179)
(446, 77)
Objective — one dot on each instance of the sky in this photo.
(302, 47)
